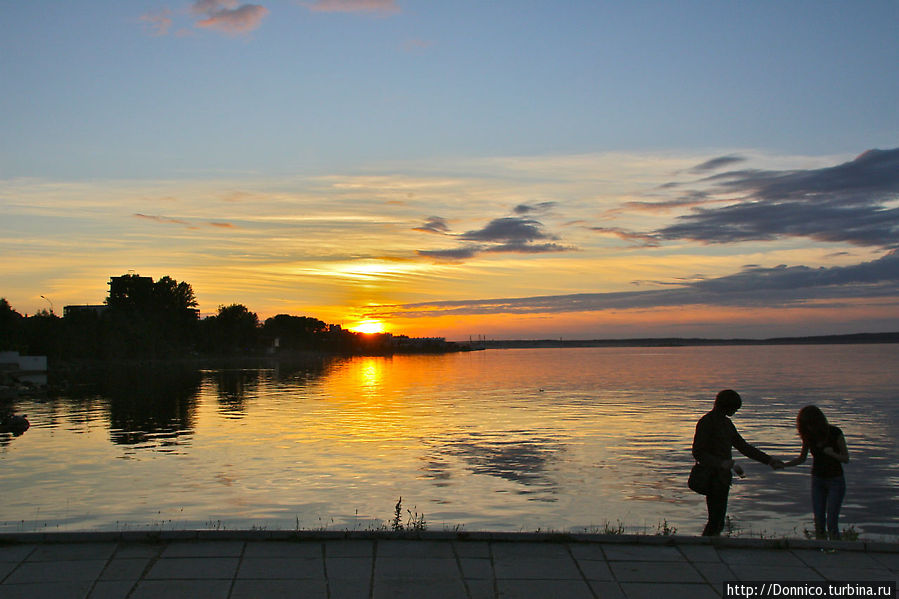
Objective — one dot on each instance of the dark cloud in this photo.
(884, 270)
(716, 163)
(451, 255)
(753, 286)
(470, 251)
(509, 229)
(845, 203)
(528, 208)
(527, 248)
(434, 224)
(510, 234)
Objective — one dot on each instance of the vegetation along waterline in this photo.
(143, 319)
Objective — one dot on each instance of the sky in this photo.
(509, 169)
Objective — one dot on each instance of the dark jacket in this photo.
(714, 438)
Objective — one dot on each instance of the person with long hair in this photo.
(829, 453)
(715, 436)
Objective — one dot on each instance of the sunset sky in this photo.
(513, 169)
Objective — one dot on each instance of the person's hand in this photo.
(777, 465)
(739, 470)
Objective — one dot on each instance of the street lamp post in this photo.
(49, 302)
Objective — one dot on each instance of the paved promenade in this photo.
(243, 565)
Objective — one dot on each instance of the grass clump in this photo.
(665, 529)
(415, 522)
(849, 533)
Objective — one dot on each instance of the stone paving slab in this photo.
(476, 568)
(537, 568)
(655, 572)
(214, 565)
(57, 571)
(349, 568)
(193, 568)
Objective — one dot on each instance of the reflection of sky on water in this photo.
(527, 461)
(507, 440)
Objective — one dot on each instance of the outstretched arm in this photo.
(802, 456)
(753, 453)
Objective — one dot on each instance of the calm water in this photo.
(562, 439)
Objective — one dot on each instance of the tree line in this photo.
(146, 319)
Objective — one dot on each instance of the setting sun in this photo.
(368, 326)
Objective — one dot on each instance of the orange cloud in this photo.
(225, 15)
(160, 22)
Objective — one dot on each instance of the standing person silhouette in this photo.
(829, 453)
(715, 436)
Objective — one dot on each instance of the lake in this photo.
(571, 439)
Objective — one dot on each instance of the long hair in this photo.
(812, 425)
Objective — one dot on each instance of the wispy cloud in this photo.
(849, 203)
(452, 255)
(370, 6)
(716, 163)
(228, 16)
(163, 219)
(640, 239)
(753, 286)
(159, 21)
(184, 223)
(434, 224)
(688, 200)
(417, 45)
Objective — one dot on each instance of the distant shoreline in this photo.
(856, 338)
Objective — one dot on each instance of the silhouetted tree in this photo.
(171, 296)
(12, 328)
(234, 328)
(149, 319)
(296, 332)
(43, 332)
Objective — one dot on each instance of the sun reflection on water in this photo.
(503, 440)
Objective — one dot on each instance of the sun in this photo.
(368, 326)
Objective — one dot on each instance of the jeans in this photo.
(716, 503)
(827, 497)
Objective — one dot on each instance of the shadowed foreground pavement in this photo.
(259, 564)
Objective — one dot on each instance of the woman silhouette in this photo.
(829, 452)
